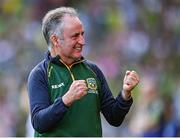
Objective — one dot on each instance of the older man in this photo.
(68, 92)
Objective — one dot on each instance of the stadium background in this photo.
(142, 35)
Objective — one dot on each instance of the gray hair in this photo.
(53, 19)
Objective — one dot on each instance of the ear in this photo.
(54, 40)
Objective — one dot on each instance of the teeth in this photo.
(78, 48)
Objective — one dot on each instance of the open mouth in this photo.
(78, 48)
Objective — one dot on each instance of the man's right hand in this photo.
(77, 90)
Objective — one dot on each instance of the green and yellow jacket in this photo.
(51, 79)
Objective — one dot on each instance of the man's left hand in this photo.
(131, 79)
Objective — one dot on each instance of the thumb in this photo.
(128, 72)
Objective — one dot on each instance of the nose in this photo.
(81, 40)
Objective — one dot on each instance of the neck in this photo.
(67, 62)
(53, 53)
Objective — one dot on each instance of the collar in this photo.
(57, 60)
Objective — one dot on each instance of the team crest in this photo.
(91, 83)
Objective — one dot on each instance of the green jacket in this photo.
(51, 79)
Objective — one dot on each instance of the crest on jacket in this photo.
(92, 85)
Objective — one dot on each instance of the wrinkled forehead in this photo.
(71, 20)
(72, 23)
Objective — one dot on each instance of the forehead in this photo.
(72, 22)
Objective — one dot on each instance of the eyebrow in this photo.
(77, 33)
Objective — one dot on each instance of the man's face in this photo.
(70, 47)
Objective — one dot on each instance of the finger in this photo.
(83, 87)
(82, 92)
(81, 81)
(132, 80)
(128, 72)
(135, 75)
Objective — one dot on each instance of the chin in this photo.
(77, 57)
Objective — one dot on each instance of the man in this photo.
(67, 92)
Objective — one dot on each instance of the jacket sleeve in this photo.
(44, 114)
(114, 110)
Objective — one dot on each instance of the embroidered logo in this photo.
(92, 85)
(57, 85)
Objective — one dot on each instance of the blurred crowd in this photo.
(120, 35)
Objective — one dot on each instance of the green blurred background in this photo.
(141, 35)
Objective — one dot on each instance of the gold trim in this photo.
(49, 71)
(69, 67)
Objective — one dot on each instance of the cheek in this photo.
(70, 45)
(67, 49)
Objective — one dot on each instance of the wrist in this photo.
(67, 100)
(126, 95)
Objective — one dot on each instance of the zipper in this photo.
(69, 68)
(49, 70)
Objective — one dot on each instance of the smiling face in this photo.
(71, 42)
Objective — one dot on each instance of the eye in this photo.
(76, 35)
(82, 33)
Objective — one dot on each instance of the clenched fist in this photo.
(77, 90)
(131, 79)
